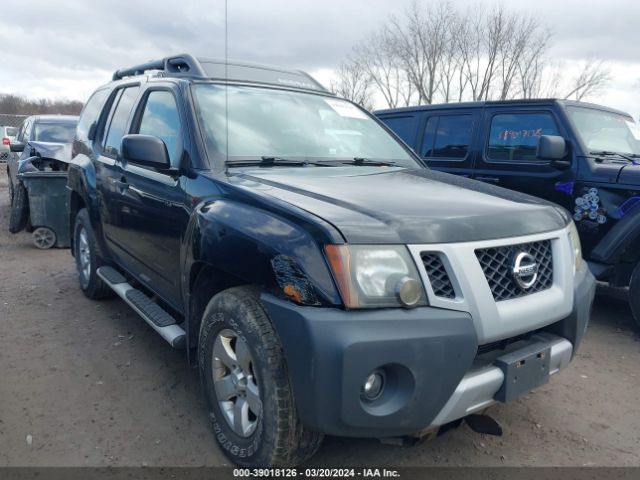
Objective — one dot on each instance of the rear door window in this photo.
(405, 127)
(514, 137)
(119, 117)
(447, 136)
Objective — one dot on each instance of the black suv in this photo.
(582, 156)
(321, 278)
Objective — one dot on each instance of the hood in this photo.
(394, 205)
(55, 151)
(630, 174)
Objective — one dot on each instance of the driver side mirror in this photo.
(17, 147)
(145, 150)
(554, 148)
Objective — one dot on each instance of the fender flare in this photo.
(616, 242)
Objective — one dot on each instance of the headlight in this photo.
(575, 245)
(376, 276)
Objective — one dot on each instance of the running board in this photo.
(151, 312)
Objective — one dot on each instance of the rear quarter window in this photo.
(90, 114)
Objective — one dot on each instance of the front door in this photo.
(153, 210)
(508, 157)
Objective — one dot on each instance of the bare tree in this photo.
(592, 78)
(16, 104)
(532, 65)
(377, 57)
(354, 83)
(438, 53)
(522, 52)
(420, 43)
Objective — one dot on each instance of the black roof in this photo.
(185, 65)
(527, 101)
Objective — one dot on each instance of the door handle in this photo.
(121, 184)
(488, 179)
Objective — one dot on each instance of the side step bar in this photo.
(151, 312)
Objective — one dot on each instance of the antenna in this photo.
(226, 85)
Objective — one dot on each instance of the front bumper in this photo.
(434, 372)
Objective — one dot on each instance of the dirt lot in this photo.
(89, 383)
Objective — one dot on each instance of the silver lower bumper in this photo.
(478, 387)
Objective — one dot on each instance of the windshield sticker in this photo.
(345, 109)
(635, 129)
(517, 134)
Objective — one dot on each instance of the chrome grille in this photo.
(438, 276)
(497, 264)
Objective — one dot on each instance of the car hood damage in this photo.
(394, 205)
(44, 156)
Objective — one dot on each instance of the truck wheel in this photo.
(19, 210)
(244, 375)
(634, 294)
(87, 258)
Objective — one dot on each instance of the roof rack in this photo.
(177, 64)
(186, 65)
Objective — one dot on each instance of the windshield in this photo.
(54, 132)
(275, 123)
(605, 131)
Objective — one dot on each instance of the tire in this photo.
(19, 209)
(634, 295)
(87, 258)
(11, 191)
(235, 319)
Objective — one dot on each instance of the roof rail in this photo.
(176, 64)
(189, 66)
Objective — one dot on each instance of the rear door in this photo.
(108, 173)
(445, 139)
(508, 157)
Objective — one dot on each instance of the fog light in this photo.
(409, 291)
(373, 385)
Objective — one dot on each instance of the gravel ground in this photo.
(86, 383)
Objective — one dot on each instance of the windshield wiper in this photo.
(269, 161)
(370, 162)
(633, 158)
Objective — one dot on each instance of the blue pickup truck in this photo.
(582, 156)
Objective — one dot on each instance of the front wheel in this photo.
(246, 384)
(634, 294)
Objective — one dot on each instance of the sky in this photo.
(66, 48)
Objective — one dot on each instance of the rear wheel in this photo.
(634, 294)
(87, 259)
(246, 384)
(10, 191)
